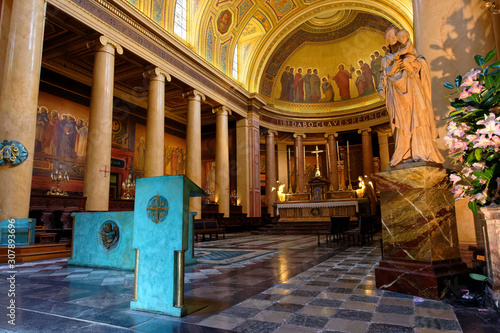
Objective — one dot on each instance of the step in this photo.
(38, 256)
(34, 252)
(35, 248)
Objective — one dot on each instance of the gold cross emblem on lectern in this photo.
(157, 208)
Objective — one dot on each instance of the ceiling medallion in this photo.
(224, 21)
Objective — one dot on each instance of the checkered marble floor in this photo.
(338, 295)
(287, 284)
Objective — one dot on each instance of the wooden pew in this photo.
(40, 235)
(208, 226)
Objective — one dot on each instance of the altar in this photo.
(314, 211)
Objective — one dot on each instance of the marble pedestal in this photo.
(420, 239)
(490, 224)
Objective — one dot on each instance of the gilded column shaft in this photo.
(366, 143)
(18, 100)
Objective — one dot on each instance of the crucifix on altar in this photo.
(317, 151)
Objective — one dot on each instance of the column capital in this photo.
(361, 130)
(327, 135)
(103, 40)
(150, 73)
(194, 95)
(272, 132)
(221, 110)
(303, 135)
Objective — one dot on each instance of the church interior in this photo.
(228, 166)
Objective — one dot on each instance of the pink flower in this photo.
(492, 126)
(479, 197)
(467, 82)
(471, 137)
(478, 166)
(476, 88)
(466, 171)
(460, 145)
(483, 142)
(496, 141)
(458, 191)
(474, 73)
(464, 95)
(454, 178)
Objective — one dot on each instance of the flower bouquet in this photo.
(473, 137)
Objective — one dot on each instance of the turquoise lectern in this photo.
(161, 225)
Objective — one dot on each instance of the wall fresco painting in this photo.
(259, 16)
(140, 147)
(281, 7)
(210, 42)
(157, 11)
(243, 8)
(175, 155)
(119, 132)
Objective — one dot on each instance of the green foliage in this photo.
(473, 145)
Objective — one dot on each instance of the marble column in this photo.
(333, 168)
(155, 126)
(383, 147)
(243, 165)
(270, 172)
(193, 144)
(282, 166)
(367, 150)
(18, 100)
(254, 164)
(222, 195)
(98, 158)
(299, 162)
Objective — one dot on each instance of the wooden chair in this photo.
(363, 231)
(40, 235)
(340, 224)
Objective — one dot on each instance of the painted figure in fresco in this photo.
(41, 124)
(360, 84)
(141, 153)
(315, 86)
(67, 137)
(385, 49)
(406, 88)
(327, 88)
(51, 136)
(292, 81)
(342, 80)
(83, 133)
(298, 86)
(307, 85)
(285, 84)
(376, 66)
(366, 77)
(173, 165)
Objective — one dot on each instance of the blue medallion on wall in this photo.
(109, 234)
(157, 209)
(13, 152)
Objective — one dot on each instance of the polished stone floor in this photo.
(245, 283)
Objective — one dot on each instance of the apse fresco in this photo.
(319, 69)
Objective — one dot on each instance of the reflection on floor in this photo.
(246, 284)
